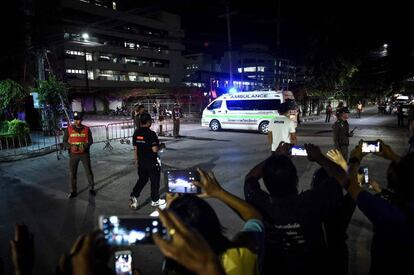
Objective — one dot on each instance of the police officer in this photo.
(177, 114)
(339, 108)
(400, 115)
(139, 110)
(162, 113)
(78, 140)
(341, 132)
(146, 146)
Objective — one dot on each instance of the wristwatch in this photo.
(354, 160)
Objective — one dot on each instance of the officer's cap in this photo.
(77, 116)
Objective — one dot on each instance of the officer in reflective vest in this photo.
(78, 139)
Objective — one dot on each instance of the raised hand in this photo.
(336, 156)
(22, 248)
(208, 183)
(314, 152)
(186, 246)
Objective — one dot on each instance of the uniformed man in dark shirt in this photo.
(341, 133)
(140, 109)
(146, 145)
(177, 114)
(400, 115)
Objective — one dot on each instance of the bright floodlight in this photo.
(232, 90)
(385, 45)
(85, 36)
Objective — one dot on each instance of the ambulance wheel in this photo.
(264, 127)
(215, 125)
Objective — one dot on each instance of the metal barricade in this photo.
(35, 142)
(121, 131)
(165, 130)
(99, 133)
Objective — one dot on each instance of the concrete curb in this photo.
(312, 118)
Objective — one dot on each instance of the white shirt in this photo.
(281, 128)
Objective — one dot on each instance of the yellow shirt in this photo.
(239, 261)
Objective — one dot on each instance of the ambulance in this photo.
(243, 111)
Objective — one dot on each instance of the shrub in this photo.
(4, 127)
(18, 128)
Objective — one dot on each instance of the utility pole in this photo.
(229, 42)
(278, 75)
(86, 71)
(278, 27)
(227, 15)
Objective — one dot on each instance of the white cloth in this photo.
(281, 128)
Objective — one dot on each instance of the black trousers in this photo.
(73, 168)
(328, 117)
(145, 172)
(176, 127)
(400, 120)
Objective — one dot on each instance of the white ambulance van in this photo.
(242, 111)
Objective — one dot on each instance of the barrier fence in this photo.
(33, 143)
(37, 142)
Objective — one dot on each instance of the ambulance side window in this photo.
(215, 105)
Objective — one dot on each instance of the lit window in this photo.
(114, 5)
(90, 75)
(88, 56)
(239, 70)
(129, 45)
(250, 69)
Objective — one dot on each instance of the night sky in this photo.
(339, 25)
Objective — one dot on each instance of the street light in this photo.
(385, 45)
(85, 36)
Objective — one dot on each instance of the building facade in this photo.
(106, 50)
(256, 62)
(203, 71)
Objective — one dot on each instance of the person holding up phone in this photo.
(341, 133)
(146, 147)
(242, 254)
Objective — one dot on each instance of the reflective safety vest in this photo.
(78, 138)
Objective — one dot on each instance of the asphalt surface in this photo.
(34, 191)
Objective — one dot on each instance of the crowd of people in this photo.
(285, 231)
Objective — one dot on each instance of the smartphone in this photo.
(366, 176)
(123, 262)
(181, 181)
(298, 151)
(130, 230)
(371, 146)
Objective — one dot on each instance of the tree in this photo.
(12, 95)
(53, 96)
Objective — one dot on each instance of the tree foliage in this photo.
(53, 96)
(12, 95)
(52, 92)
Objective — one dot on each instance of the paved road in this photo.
(34, 191)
